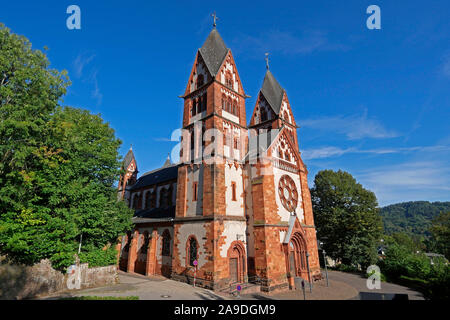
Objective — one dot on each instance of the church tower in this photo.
(210, 223)
(129, 176)
(272, 109)
(283, 245)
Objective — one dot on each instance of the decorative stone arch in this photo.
(295, 251)
(237, 268)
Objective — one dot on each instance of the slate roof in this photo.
(128, 158)
(146, 215)
(156, 176)
(213, 52)
(272, 91)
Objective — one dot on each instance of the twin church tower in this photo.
(240, 212)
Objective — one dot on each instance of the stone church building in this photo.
(236, 214)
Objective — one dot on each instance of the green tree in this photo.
(346, 215)
(440, 234)
(58, 165)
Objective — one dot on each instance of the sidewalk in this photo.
(342, 286)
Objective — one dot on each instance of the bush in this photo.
(416, 271)
(99, 257)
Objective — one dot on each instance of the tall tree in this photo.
(440, 234)
(58, 165)
(346, 215)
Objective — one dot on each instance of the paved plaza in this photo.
(342, 286)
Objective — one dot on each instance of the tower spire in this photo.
(214, 19)
(267, 60)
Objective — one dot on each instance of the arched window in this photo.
(166, 243)
(169, 196)
(152, 203)
(192, 139)
(199, 80)
(280, 153)
(204, 100)
(224, 102)
(225, 137)
(192, 250)
(234, 108)
(229, 105)
(135, 201)
(199, 104)
(287, 157)
(162, 198)
(263, 115)
(148, 198)
(194, 107)
(285, 116)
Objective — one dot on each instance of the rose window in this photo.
(288, 193)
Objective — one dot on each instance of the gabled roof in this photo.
(156, 176)
(272, 91)
(213, 52)
(128, 158)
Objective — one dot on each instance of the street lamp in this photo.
(325, 263)
(309, 272)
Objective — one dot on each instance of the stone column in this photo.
(151, 255)
(132, 253)
(119, 248)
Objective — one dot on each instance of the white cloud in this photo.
(409, 181)
(80, 62)
(446, 66)
(287, 43)
(354, 127)
(328, 152)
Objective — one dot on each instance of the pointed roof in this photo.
(128, 158)
(272, 91)
(213, 52)
(167, 163)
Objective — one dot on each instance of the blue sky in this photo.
(375, 103)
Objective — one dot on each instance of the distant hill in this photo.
(412, 217)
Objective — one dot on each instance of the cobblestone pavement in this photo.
(147, 288)
(342, 286)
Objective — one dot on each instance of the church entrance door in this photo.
(234, 270)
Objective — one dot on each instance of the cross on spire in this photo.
(267, 60)
(214, 19)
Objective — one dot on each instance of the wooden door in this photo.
(233, 269)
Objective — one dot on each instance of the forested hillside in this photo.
(412, 217)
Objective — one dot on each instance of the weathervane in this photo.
(214, 19)
(267, 60)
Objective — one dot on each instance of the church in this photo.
(236, 208)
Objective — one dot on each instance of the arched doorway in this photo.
(297, 256)
(236, 255)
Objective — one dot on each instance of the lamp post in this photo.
(309, 272)
(325, 263)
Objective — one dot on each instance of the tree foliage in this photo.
(440, 234)
(346, 215)
(412, 217)
(405, 264)
(58, 165)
